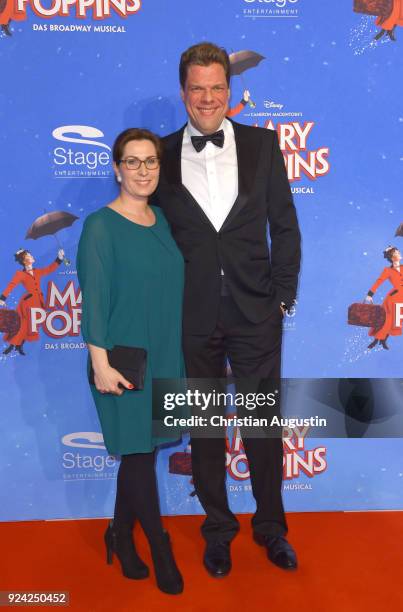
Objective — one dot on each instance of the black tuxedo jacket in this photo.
(258, 277)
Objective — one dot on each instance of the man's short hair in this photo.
(203, 54)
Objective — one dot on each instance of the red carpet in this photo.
(347, 563)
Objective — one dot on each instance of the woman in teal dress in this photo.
(131, 274)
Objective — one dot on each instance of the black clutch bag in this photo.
(130, 361)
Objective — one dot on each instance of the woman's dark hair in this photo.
(203, 54)
(134, 134)
(20, 256)
(389, 252)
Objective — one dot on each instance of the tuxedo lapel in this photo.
(172, 158)
(173, 169)
(247, 150)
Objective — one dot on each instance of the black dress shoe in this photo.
(373, 343)
(279, 551)
(8, 349)
(384, 345)
(217, 559)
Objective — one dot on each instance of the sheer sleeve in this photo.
(94, 270)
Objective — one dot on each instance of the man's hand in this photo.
(107, 380)
(2, 303)
(246, 96)
(60, 254)
(368, 299)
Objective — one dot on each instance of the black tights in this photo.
(137, 495)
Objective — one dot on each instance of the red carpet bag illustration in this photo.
(374, 7)
(366, 315)
(9, 321)
(180, 463)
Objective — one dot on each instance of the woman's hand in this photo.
(2, 303)
(368, 299)
(60, 254)
(107, 380)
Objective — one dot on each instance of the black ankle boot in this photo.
(120, 542)
(19, 349)
(384, 345)
(391, 34)
(8, 349)
(380, 34)
(169, 579)
(6, 29)
(373, 343)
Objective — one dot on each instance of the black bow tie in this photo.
(199, 142)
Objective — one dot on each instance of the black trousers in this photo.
(253, 350)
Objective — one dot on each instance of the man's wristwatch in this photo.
(287, 307)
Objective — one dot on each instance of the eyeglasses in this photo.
(134, 163)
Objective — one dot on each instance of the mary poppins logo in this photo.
(17, 10)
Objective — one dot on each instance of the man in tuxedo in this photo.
(222, 185)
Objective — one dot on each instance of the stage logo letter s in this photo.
(84, 439)
(86, 132)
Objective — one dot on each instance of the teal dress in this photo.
(132, 278)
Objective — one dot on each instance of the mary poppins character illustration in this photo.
(394, 274)
(30, 278)
(389, 14)
(8, 13)
(240, 62)
(390, 20)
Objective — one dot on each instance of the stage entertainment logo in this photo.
(95, 10)
(93, 464)
(271, 9)
(85, 156)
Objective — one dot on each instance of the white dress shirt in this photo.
(211, 175)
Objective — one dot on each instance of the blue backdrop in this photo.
(69, 85)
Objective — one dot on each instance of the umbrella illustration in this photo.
(399, 231)
(49, 224)
(242, 61)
